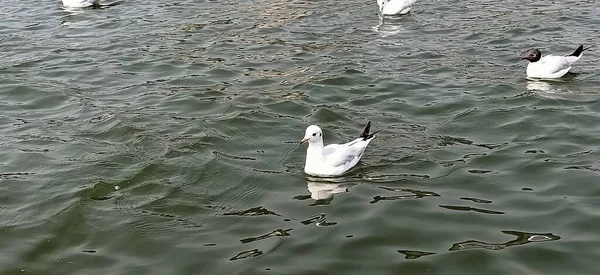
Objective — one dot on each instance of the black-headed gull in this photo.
(550, 66)
(79, 3)
(333, 159)
(393, 7)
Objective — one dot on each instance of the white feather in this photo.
(79, 3)
(333, 159)
(393, 7)
(551, 66)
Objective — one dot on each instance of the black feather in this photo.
(579, 50)
(365, 133)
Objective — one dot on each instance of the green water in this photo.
(158, 137)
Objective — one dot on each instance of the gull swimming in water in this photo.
(393, 7)
(333, 159)
(80, 3)
(550, 66)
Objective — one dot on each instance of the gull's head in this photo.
(532, 55)
(313, 134)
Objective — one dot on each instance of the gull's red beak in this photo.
(303, 140)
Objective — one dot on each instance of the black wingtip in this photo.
(366, 130)
(579, 50)
(365, 133)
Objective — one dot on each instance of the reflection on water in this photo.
(414, 254)
(475, 200)
(247, 254)
(318, 220)
(275, 233)
(539, 86)
(255, 211)
(558, 88)
(389, 26)
(325, 191)
(474, 209)
(415, 194)
(167, 126)
(322, 190)
(522, 238)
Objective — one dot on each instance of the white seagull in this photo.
(550, 66)
(333, 159)
(79, 3)
(393, 7)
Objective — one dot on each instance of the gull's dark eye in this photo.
(314, 134)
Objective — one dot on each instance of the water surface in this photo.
(152, 137)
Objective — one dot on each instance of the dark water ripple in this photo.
(160, 138)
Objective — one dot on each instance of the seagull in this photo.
(80, 3)
(393, 7)
(550, 66)
(333, 159)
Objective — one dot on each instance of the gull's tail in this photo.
(579, 50)
(365, 133)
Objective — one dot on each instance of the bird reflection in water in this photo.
(389, 28)
(522, 238)
(539, 86)
(559, 89)
(322, 190)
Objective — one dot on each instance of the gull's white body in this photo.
(333, 159)
(79, 3)
(551, 66)
(393, 7)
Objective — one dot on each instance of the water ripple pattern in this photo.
(160, 137)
